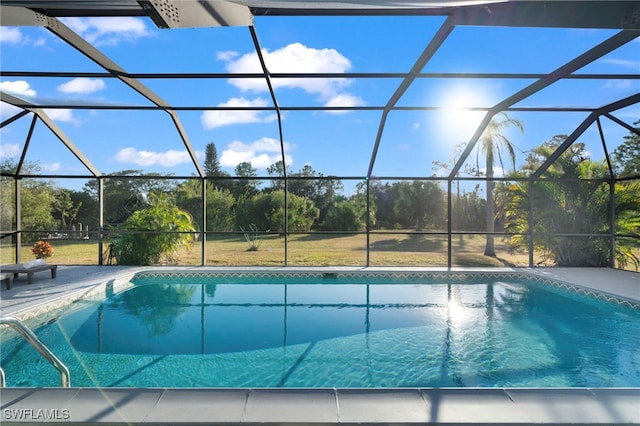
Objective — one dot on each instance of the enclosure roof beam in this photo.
(307, 75)
(12, 100)
(438, 39)
(623, 124)
(66, 34)
(580, 129)
(266, 75)
(14, 118)
(520, 13)
(589, 56)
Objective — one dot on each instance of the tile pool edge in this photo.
(321, 406)
(542, 277)
(95, 291)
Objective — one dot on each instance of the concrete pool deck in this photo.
(614, 406)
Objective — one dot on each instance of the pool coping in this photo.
(451, 406)
(330, 406)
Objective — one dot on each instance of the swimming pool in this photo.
(337, 330)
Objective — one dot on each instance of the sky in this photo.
(332, 142)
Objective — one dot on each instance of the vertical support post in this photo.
(203, 233)
(531, 224)
(368, 222)
(100, 219)
(18, 201)
(449, 225)
(286, 216)
(612, 221)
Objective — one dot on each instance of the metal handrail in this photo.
(38, 345)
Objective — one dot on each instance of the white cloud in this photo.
(9, 150)
(168, 158)
(415, 126)
(18, 88)
(108, 31)
(10, 35)
(294, 58)
(625, 63)
(344, 100)
(619, 84)
(65, 115)
(51, 167)
(13, 36)
(82, 85)
(261, 153)
(227, 55)
(213, 119)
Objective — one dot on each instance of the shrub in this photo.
(154, 233)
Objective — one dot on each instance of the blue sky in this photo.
(333, 143)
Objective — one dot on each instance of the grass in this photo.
(308, 250)
(311, 250)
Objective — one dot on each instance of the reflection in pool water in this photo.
(171, 333)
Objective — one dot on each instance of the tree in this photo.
(277, 170)
(220, 210)
(188, 197)
(87, 206)
(381, 197)
(125, 195)
(248, 186)
(220, 203)
(575, 202)
(345, 215)
(491, 143)
(212, 168)
(37, 201)
(419, 204)
(266, 212)
(154, 233)
(626, 157)
(37, 198)
(313, 185)
(63, 208)
(211, 163)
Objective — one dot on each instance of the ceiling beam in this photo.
(612, 43)
(581, 129)
(12, 100)
(66, 34)
(438, 39)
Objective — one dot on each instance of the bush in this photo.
(153, 234)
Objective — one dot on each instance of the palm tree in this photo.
(491, 143)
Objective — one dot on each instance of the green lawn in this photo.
(308, 250)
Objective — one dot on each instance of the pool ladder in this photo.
(38, 345)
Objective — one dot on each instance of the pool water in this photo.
(174, 332)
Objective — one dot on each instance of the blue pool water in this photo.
(179, 332)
